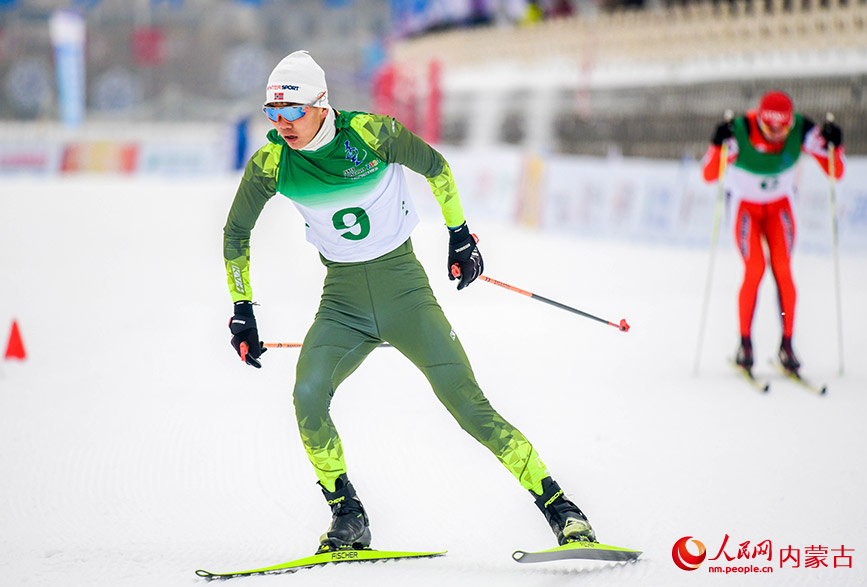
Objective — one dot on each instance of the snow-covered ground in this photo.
(136, 448)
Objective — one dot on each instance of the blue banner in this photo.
(67, 36)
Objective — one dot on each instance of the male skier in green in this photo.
(342, 171)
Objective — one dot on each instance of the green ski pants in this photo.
(389, 299)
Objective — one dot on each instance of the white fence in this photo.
(632, 199)
(638, 200)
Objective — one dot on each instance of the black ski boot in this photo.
(349, 524)
(567, 521)
(744, 358)
(787, 356)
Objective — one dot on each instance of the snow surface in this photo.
(136, 448)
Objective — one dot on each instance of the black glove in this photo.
(464, 253)
(832, 133)
(244, 331)
(725, 130)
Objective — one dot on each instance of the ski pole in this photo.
(728, 116)
(622, 326)
(296, 345)
(280, 345)
(832, 180)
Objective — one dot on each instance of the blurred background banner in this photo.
(588, 115)
(67, 37)
(638, 78)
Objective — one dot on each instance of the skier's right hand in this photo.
(725, 130)
(245, 335)
(832, 134)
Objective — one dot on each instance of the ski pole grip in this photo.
(244, 350)
(456, 269)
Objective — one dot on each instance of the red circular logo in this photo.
(685, 559)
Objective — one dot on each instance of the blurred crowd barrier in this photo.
(159, 149)
(648, 200)
(643, 200)
(647, 82)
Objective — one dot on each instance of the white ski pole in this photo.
(832, 180)
(717, 216)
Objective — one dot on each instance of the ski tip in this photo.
(766, 388)
(206, 574)
(216, 576)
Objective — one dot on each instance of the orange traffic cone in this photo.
(15, 348)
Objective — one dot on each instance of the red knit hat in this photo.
(776, 110)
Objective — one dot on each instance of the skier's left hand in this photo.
(832, 134)
(464, 253)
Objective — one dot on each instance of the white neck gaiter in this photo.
(325, 135)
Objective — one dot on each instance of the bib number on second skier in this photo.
(770, 183)
(354, 221)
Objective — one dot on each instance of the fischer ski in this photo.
(579, 550)
(318, 560)
(748, 376)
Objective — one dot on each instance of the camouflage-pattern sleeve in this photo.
(394, 143)
(257, 186)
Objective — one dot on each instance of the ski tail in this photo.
(579, 550)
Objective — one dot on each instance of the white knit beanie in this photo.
(297, 78)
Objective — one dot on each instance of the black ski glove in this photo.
(244, 332)
(725, 130)
(832, 133)
(464, 253)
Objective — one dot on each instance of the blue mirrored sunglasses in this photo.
(288, 113)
